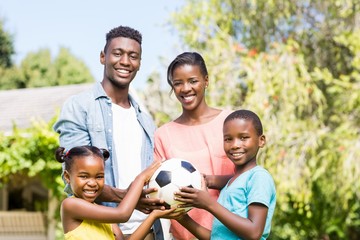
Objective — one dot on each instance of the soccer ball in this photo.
(170, 176)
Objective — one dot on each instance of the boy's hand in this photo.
(192, 197)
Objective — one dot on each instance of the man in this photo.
(108, 117)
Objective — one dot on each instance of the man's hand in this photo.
(111, 194)
(146, 204)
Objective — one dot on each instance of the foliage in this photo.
(157, 102)
(30, 152)
(39, 70)
(297, 65)
(6, 47)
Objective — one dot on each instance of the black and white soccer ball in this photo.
(172, 174)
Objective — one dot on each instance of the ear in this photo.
(262, 141)
(102, 57)
(206, 81)
(67, 176)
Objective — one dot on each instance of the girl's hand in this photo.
(172, 213)
(147, 173)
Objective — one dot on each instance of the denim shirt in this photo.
(86, 119)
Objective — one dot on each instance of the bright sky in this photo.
(81, 26)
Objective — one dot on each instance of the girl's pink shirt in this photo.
(202, 145)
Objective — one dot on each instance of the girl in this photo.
(81, 217)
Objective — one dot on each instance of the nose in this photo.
(236, 144)
(91, 182)
(124, 59)
(186, 87)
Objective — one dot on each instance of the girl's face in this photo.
(241, 143)
(189, 86)
(86, 177)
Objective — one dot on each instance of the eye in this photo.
(82, 176)
(100, 177)
(193, 81)
(176, 84)
(134, 56)
(227, 139)
(117, 54)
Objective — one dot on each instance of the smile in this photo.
(237, 154)
(188, 98)
(123, 71)
(90, 192)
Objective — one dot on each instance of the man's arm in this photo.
(145, 205)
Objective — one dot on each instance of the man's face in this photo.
(121, 61)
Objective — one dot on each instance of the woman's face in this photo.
(189, 86)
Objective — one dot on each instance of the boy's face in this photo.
(86, 177)
(241, 142)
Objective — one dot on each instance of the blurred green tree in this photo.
(39, 69)
(297, 65)
(6, 47)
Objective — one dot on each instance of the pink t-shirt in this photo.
(202, 145)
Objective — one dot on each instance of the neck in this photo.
(118, 95)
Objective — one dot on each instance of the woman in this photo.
(196, 135)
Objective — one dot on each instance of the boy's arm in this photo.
(196, 229)
(248, 228)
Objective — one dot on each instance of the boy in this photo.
(246, 204)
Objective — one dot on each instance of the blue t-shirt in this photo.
(253, 186)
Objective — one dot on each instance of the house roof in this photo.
(21, 106)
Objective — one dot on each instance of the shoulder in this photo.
(70, 202)
(79, 100)
(260, 177)
(170, 126)
(224, 113)
(259, 171)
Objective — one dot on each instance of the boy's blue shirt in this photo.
(253, 186)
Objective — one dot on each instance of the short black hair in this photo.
(66, 157)
(186, 58)
(247, 115)
(123, 31)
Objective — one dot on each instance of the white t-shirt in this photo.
(127, 137)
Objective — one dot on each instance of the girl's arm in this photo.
(117, 232)
(248, 228)
(143, 229)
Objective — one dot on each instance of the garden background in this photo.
(295, 63)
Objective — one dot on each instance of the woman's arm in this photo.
(216, 181)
